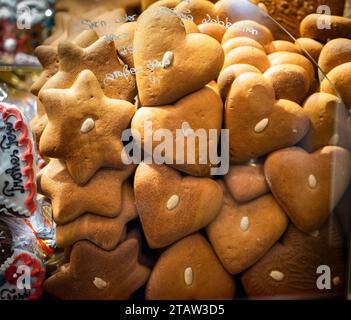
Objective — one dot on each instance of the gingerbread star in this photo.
(102, 231)
(96, 274)
(102, 195)
(84, 127)
(48, 58)
(100, 57)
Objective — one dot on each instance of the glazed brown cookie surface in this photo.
(102, 195)
(257, 122)
(96, 274)
(171, 206)
(308, 186)
(242, 233)
(294, 268)
(85, 136)
(103, 231)
(189, 270)
(160, 36)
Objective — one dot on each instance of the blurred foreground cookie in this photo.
(96, 274)
(171, 206)
(246, 182)
(189, 270)
(105, 232)
(242, 233)
(308, 186)
(84, 127)
(101, 59)
(257, 122)
(330, 124)
(102, 195)
(302, 266)
(186, 62)
(192, 143)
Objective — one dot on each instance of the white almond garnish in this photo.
(334, 139)
(336, 281)
(312, 181)
(99, 283)
(87, 125)
(315, 233)
(172, 202)
(244, 223)
(294, 130)
(188, 276)
(277, 275)
(167, 59)
(260, 126)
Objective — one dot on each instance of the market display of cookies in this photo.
(188, 150)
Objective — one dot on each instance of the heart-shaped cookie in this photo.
(257, 122)
(339, 83)
(242, 233)
(297, 267)
(330, 124)
(308, 186)
(17, 181)
(246, 182)
(187, 61)
(189, 270)
(201, 110)
(171, 206)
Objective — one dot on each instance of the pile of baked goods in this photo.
(166, 229)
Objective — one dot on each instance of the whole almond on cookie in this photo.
(189, 269)
(308, 186)
(257, 122)
(330, 124)
(159, 32)
(171, 206)
(195, 114)
(242, 233)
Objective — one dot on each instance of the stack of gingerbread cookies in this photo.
(265, 222)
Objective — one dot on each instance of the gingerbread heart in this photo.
(295, 267)
(17, 166)
(338, 82)
(189, 270)
(160, 36)
(242, 233)
(308, 186)
(171, 206)
(246, 182)
(330, 124)
(333, 54)
(257, 122)
(102, 231)
(194, 114)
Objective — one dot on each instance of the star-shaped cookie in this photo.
(100, 57)
(104, 232)
(84, 127)
(102, 195)
(96, 274)
(49, 59)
